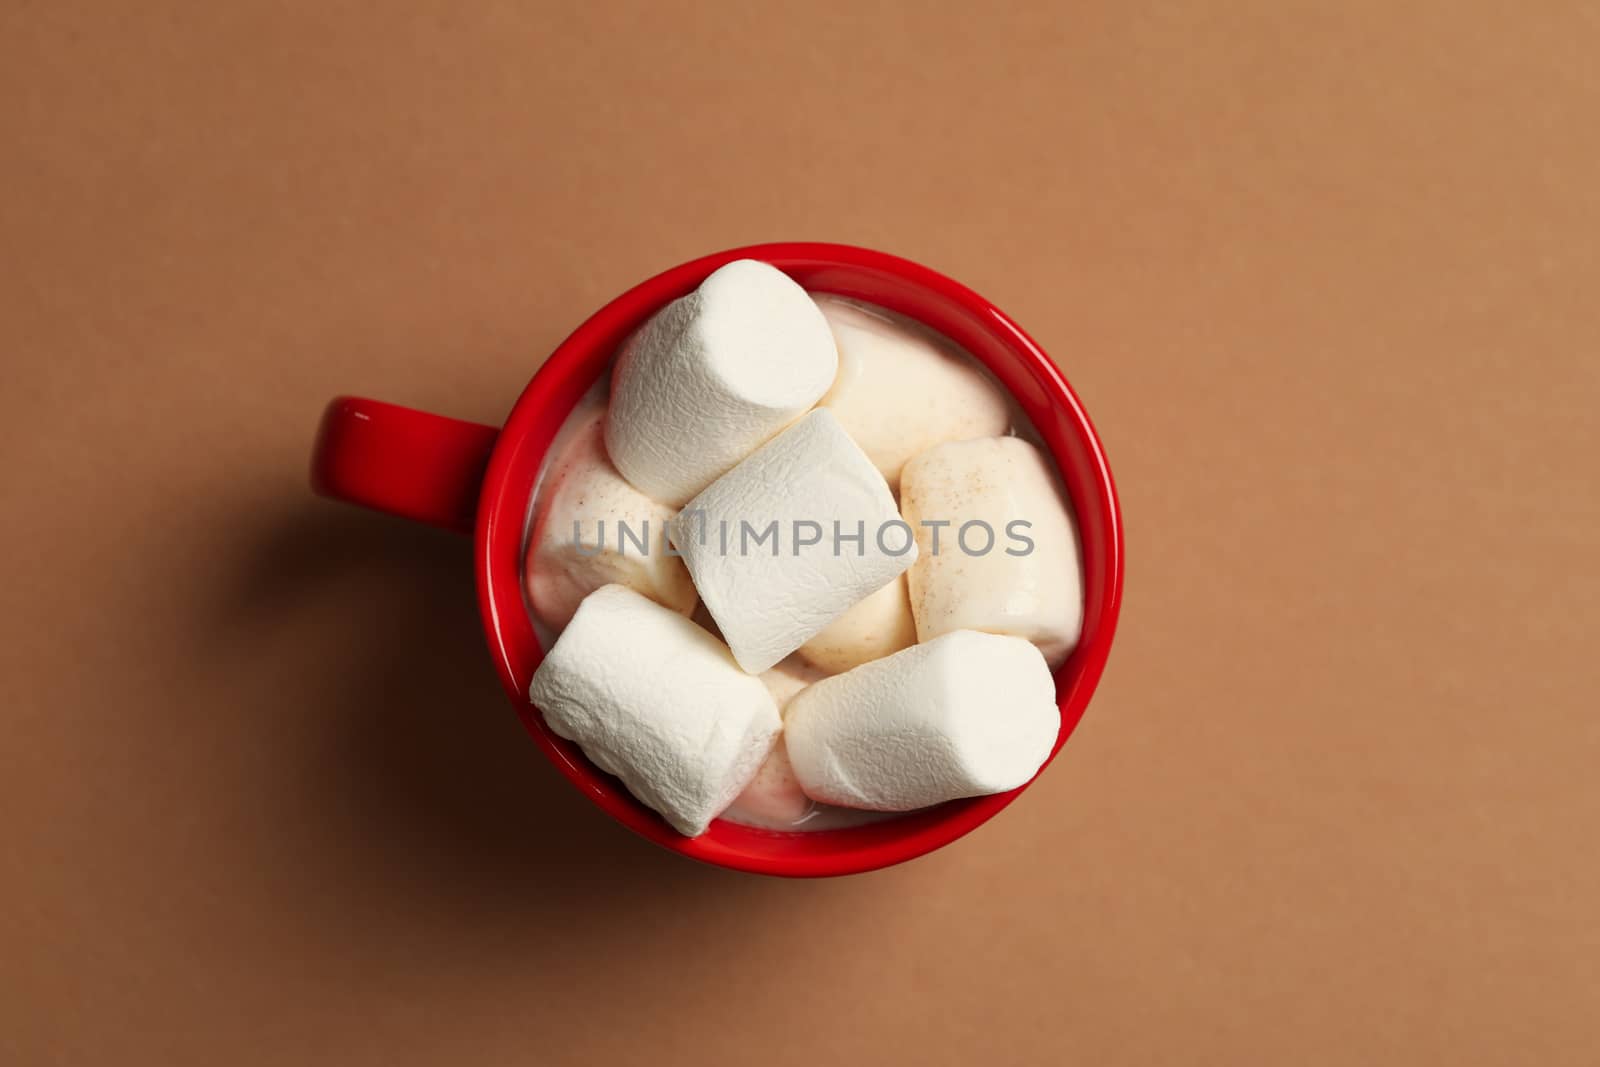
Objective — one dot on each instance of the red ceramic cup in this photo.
(478, 480)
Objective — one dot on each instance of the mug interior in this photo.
(898, 285)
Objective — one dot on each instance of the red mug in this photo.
(478, 480)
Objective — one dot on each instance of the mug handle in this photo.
(405, 462)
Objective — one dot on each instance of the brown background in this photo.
(1326, 279)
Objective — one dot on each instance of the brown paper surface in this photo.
(1326, 280)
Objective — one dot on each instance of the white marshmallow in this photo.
(773, 798)
(1000, 481)
(581, 504)
(876, 627)
(963, 715)
(770, 596)
(901, 388)
(789, 677)
(703, 619)
(713, 376)
(658, 702)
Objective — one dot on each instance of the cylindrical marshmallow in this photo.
(963, 715)
(876, 627)
(713, 376)
(773, 798)
(592, 528)
(901, 388)
(655, 700)
(785, 680)
(748, 540)
(1007, 559)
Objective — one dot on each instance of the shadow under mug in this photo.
(478, 480)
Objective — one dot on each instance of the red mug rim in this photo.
(879, 278)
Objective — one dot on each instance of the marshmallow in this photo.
(713, 376)
(1036, 593)
(965, 714)
(587, 532)
(703, 619)
(760, 541)
(901, 388)
(655, 700)
(773, 798)
(876, 627)
(789, 677)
